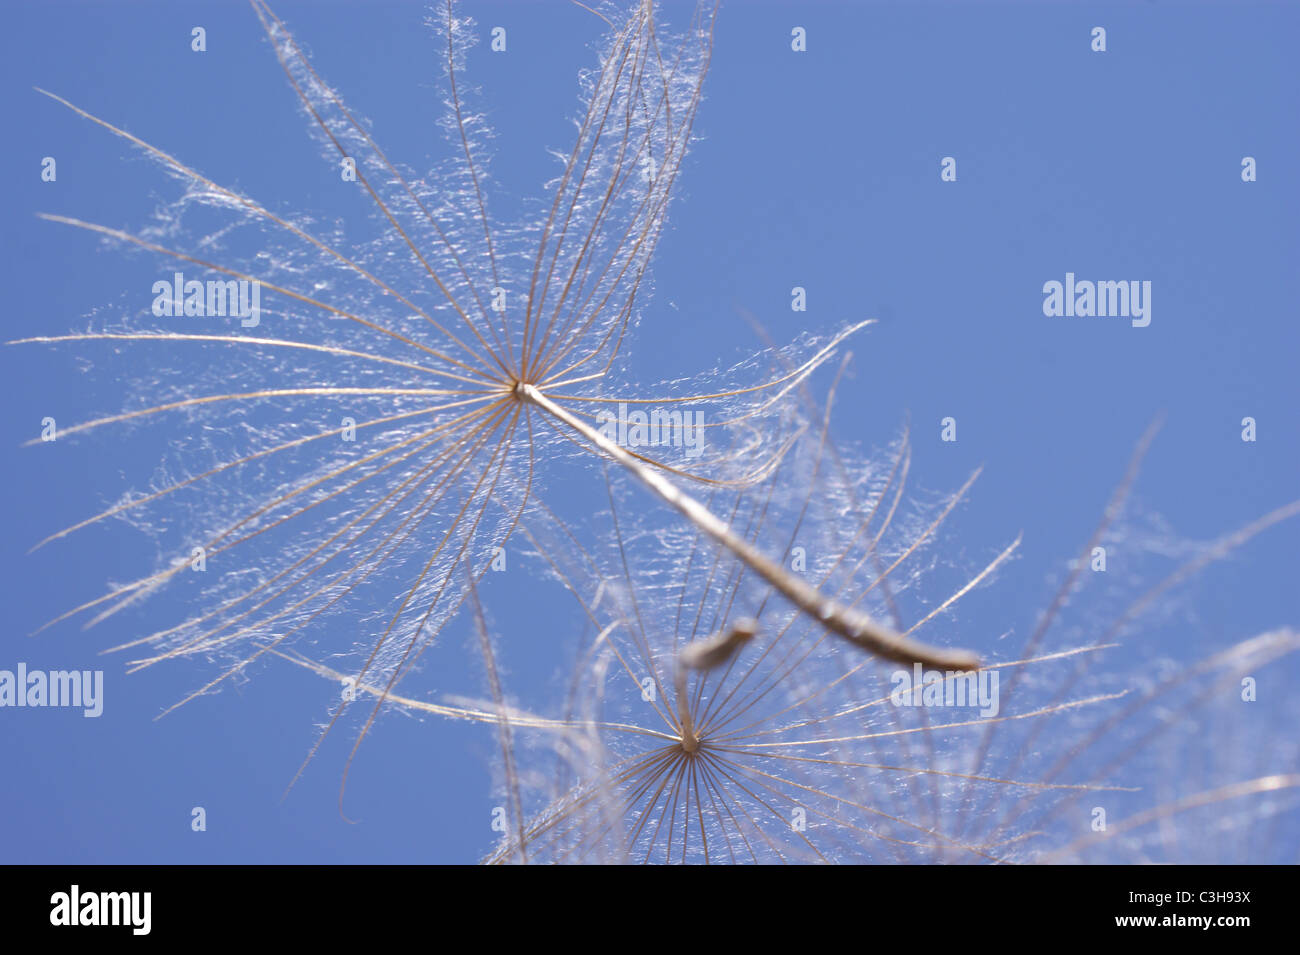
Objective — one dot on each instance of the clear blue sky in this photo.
(818, 169)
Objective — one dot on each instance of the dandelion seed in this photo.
(447, 378)
(760, 743)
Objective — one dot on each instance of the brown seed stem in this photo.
(853, 625)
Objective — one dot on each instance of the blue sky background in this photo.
(818, 169)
